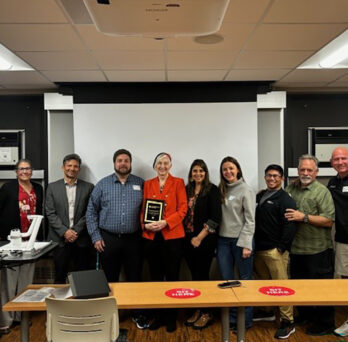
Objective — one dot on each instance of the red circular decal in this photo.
(276, 291)
(183, 293)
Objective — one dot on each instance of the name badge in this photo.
(231, 198)
(136, 187)
(345, 189)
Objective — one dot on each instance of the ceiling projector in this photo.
(157, 18)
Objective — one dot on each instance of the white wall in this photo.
(188, 131)
(60, 141)
(270, 140)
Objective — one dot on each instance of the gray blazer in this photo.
(57, 211)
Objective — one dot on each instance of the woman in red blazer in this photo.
(164, 238)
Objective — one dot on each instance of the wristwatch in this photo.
(305, 219)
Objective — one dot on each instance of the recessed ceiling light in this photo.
(335, 58)
(4, 64)
(10, 62)
(333, 55)
(210, 39)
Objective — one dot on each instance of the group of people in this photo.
(256, 235)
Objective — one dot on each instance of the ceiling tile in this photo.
(200, 60)
(344, 78)
(234, 38)
(31, 11)
(135, 75)
(120, 60)
(40, 37)
(75, 76)
(339, 84)
(271, 59)
(308, 11)
(317, 75)
(69, 60)
(256, 74)
(246, 11)
(22, 77)
(96, 40)
(294, 36)
(196, 75)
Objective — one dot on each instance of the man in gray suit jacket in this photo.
(66, 204)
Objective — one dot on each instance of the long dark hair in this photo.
(191, 184)
(223, 183)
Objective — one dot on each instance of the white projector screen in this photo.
(187, 131)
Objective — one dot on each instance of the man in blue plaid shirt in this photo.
(113, 219)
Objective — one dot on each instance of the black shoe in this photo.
(5, 331)
(156, 324)
(171, 326)
(141, 322)
(317, 330)
(18, 323)
(286, 329)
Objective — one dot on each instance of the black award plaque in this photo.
(153, 210)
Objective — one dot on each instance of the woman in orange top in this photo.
(164, 238)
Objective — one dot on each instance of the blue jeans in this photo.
(229, 255)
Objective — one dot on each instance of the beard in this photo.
(306, 180)
(123, 171)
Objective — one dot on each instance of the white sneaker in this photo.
(342, 330)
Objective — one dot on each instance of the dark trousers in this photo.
(164, 258)
(199, 259)
(121, 250)
(315, 266)
(70, 252)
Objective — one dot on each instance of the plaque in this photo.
(153, 210)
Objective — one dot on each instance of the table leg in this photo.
(241, 324)
(25, 326)
(225, 325)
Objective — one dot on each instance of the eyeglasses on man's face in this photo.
(24, 169)
(272, 175)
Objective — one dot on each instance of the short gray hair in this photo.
(308, 157)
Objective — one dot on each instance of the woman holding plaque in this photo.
(18, 199)
(201, 223)
(164, 208)
(235, 242)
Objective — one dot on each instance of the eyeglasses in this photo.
(22, 169)
(269, 176)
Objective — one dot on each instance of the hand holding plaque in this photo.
(153, 211)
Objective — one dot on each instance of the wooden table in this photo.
(307, 292)
(148, 295)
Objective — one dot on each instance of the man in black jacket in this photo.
(273, 238)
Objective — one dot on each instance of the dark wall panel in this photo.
(303, 111)
(27, 112)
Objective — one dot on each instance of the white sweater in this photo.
(238, 214)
